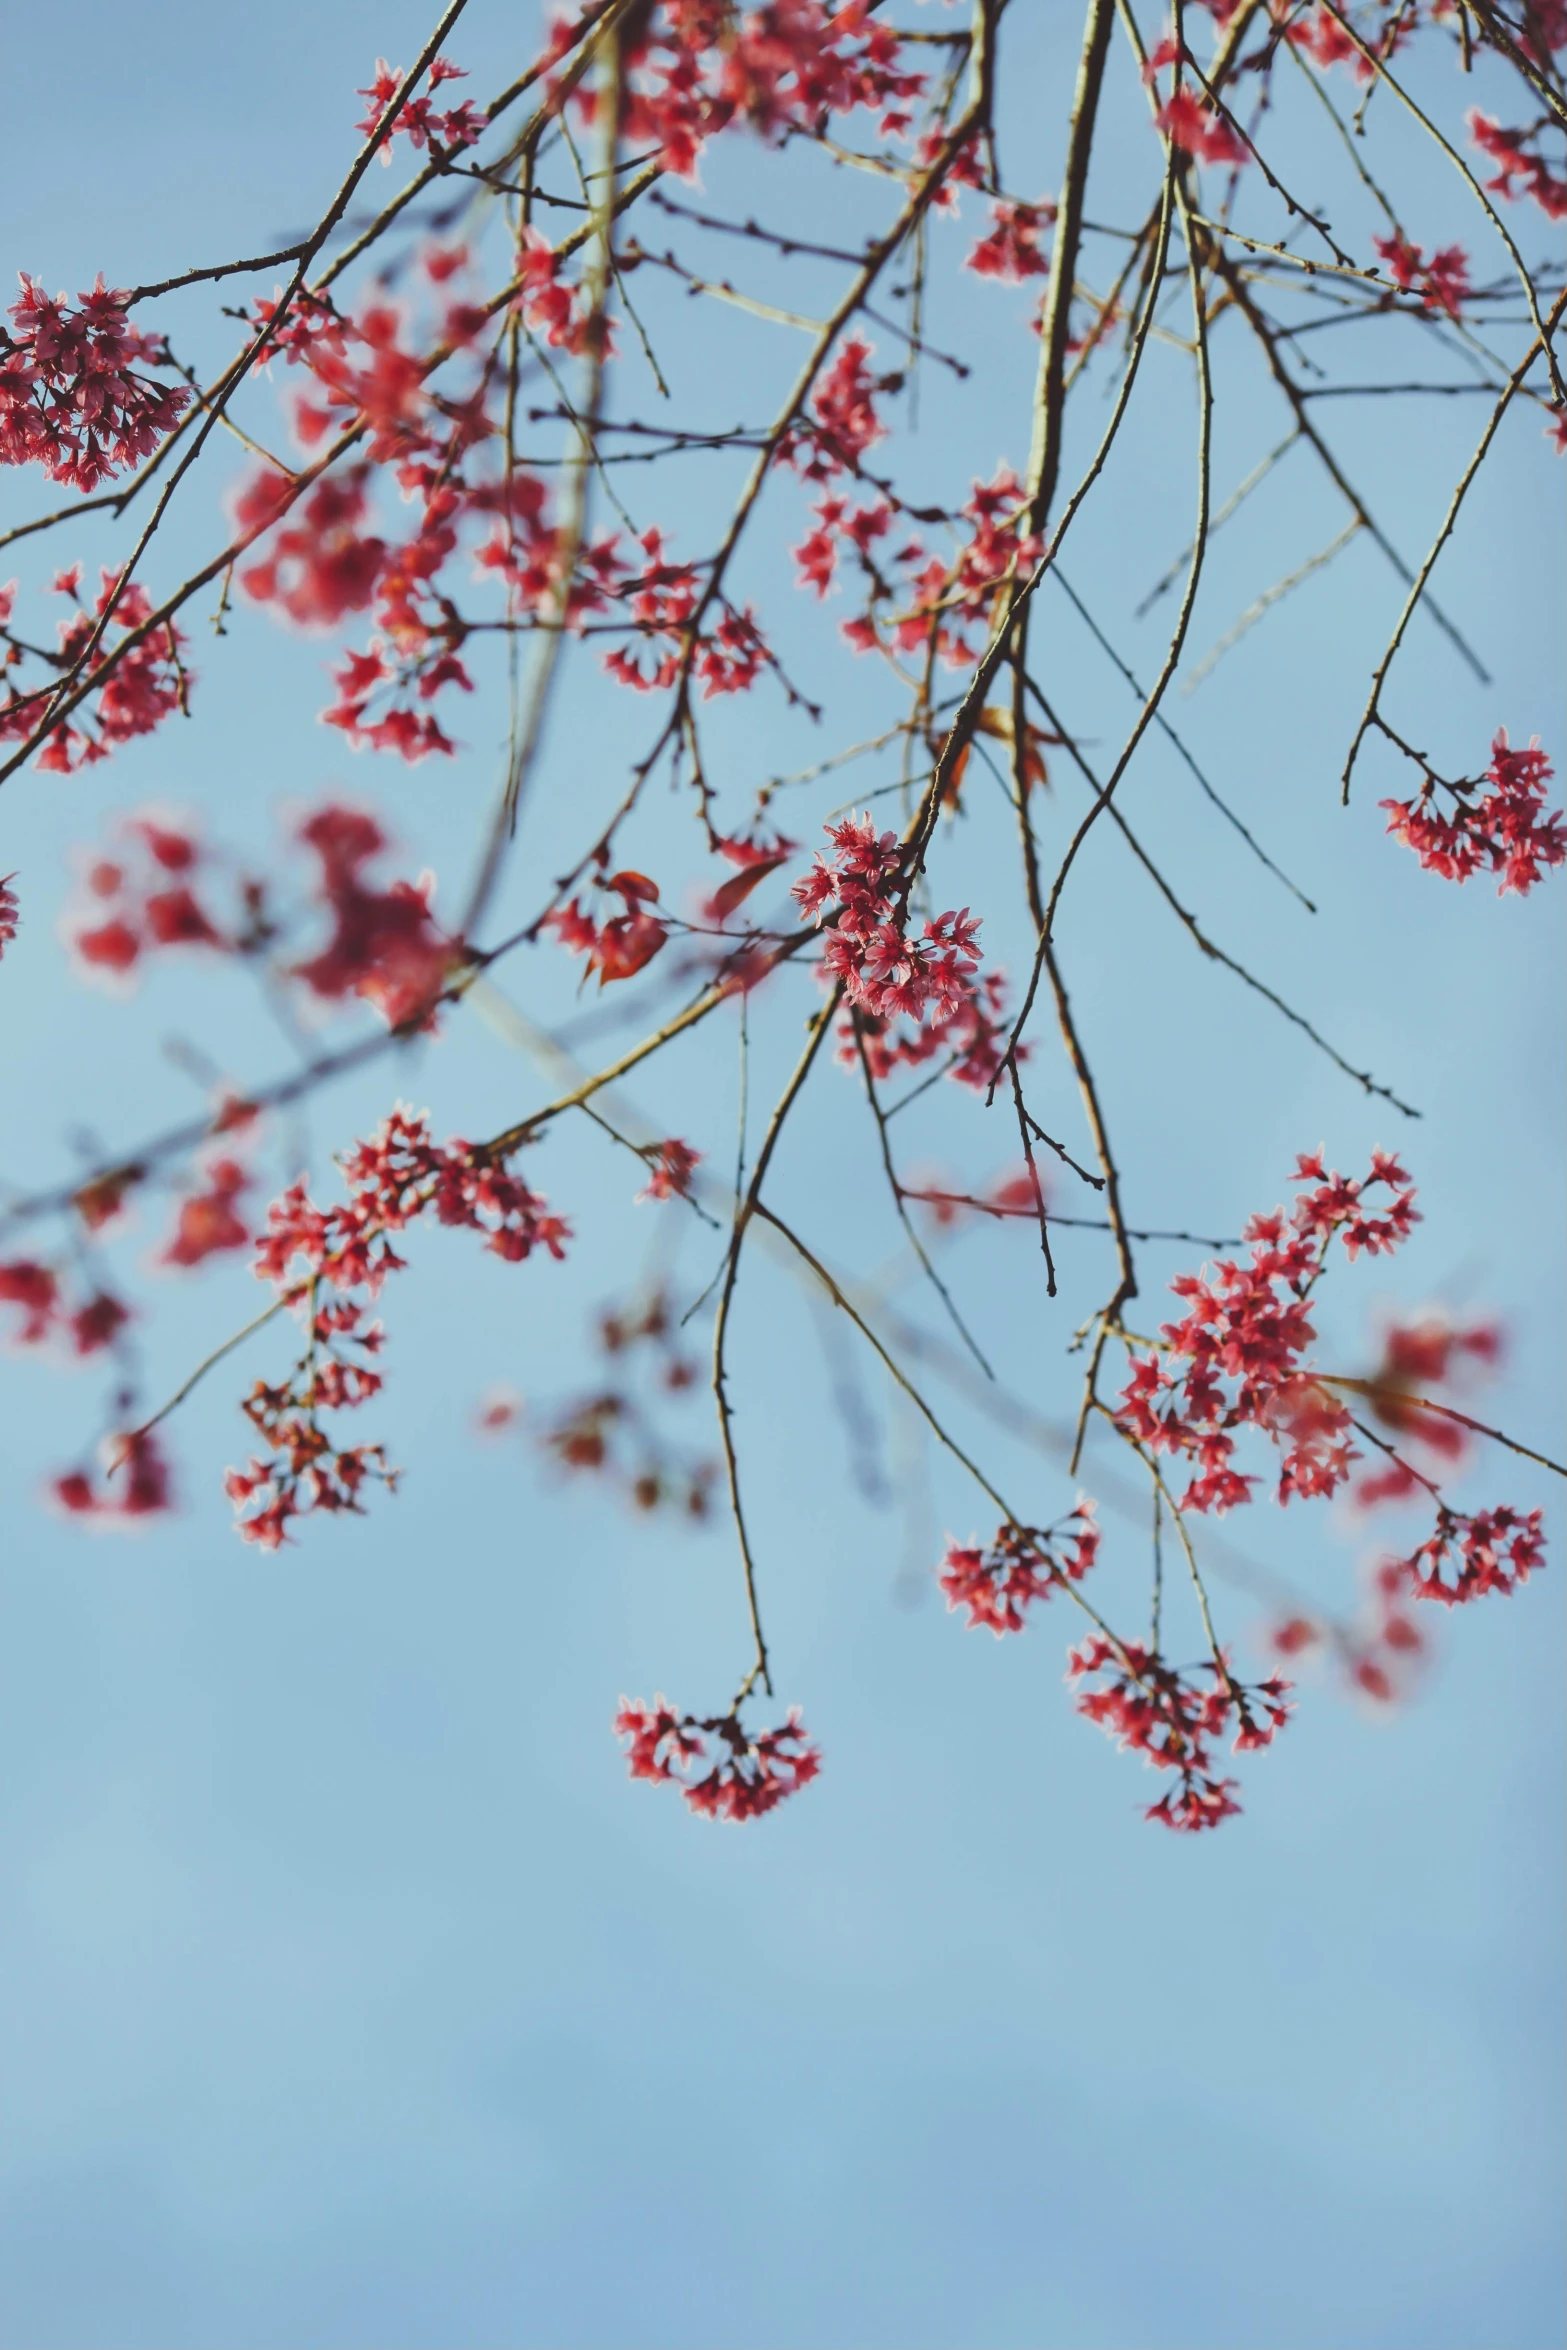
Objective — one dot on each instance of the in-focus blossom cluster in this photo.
(1470, 1555)
(73, 397)
(416, 119)
(882, 969)
(1173, 1719)
(329, 1263)
(999, 1581)
(1238, 1359)
(724, 1771)
(1505, 829)
(972, 1035)
(944, 607)
(145, 679)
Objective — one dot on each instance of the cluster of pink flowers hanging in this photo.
(999, 1582)
(724, 1771)
(867, 948)
(73, 397)
(1172, 1720)
(1506, 829)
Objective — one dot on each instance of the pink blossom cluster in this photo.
(948, 599)
(620, 946)
(1517, 156)
(1244, 1339)
(671, 1167)
(1468, 1556)
(40, 1296)
(1442, 282)
(144, 898)
(71, 396)
(146, 682)
(1172, 1721)
(974, 1033)
(1194, 126)
(724, 1771)
(393, 1179)
(137, 1485)
(1506, 829)
(883, 970)
(999, 1581)
(208, 1222)
(10, 911)
(1010, 251)
(697, 66)
(385, 945)
(416, 119)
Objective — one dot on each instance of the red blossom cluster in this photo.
(694, 67)
(1244, 1339)
(1417, 1357)
(616, 1433)
(416, 120)
(1380, 1651)
(137, 1485)
(1172, 1721)
(973, 1033)
(1013, 1196)
(1010, 252)
(671, 1166)
(1468, 1556)
(1319, 32)
(1516, 153)
(39, 1295)
(1442, 282)
(723, 1770)
(999, 1582)
(619, 947)
(209, 1223)
(888, 974)
(144, 682)
(385, 946)
(1505, 830)
(144, 898)
(947, 600)
(323, 565)
(10, 912)
(1194, 126)
(392, 1180)
(71, 396)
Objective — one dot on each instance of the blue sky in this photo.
(348, 1993)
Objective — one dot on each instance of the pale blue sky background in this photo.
(348, 1994)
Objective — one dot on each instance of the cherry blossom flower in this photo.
(72, 397)
(998, 1583)
(746, 1774)
(1506, 829)
(1172, 1720)
(1244, 1343)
